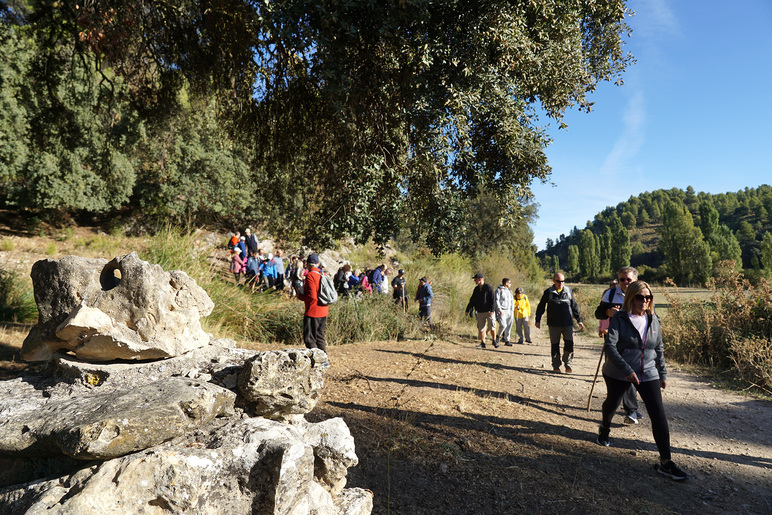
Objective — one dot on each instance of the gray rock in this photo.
(279, 384)
(354, 501)
(105, 426)
(245, 466)
(334, 452)
(218, 362)
(122, 309)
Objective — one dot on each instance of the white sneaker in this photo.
(631, 418)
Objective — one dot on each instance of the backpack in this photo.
(327, 293)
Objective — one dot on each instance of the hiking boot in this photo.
(507, 344)
(631, 418)
(670, 470)
(495, 344)
(528, 341)
(481, 346)
(603, 437)
(556, 370)
(569, 369)
(519, 342)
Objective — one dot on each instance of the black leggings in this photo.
(651, 395)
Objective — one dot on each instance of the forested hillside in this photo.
(671, 233)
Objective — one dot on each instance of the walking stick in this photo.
(589, 399)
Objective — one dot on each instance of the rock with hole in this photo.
(122, 309)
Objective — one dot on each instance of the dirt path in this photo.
(442, 427)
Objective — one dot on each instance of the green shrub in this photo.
(371, 318)
(67, 234)
(588, 298)
(17, 301)
(7, 245)
(51, 249)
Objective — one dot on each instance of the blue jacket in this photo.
(268, 268)
(377, 279)
(424, 295)
(253, 265)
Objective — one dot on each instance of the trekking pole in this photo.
(589, 400)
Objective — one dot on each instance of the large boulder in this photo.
(284, 383)
(122, 309)
(105, 426)
(249, 465)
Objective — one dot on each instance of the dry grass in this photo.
(731, 330)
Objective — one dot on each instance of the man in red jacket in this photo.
(315, 319)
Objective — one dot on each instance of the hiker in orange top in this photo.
(315, 316)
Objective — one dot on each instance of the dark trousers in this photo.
(313, 332)
(651, 394)
(567, 332)
(630, 400)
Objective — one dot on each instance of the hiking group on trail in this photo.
(633, 346)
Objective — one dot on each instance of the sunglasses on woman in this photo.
(641, 298)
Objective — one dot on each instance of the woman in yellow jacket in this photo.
(522, 312)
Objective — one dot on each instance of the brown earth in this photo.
(443, 427)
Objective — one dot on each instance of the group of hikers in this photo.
(633, 345)
(268, 271)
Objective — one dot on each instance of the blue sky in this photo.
(695, 110)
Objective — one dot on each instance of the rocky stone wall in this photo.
(201, 427)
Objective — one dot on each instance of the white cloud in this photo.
(655, 19)
(619, 160)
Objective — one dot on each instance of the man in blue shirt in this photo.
(424, 298)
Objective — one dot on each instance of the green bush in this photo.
(588, 298)
(17, 301)
(371, 318)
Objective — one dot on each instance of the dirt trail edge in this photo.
(443, 427)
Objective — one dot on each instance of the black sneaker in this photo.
(670, 470)
(507, 344)
(495, 344)
(603, 437)
(481, 346)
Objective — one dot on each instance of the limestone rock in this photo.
(122, 309)
(104, 426)
(251, 465)
(334, 452)
(354, 501)
(280, 384)
(218, 362)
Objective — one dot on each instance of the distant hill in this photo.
(725, 221)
